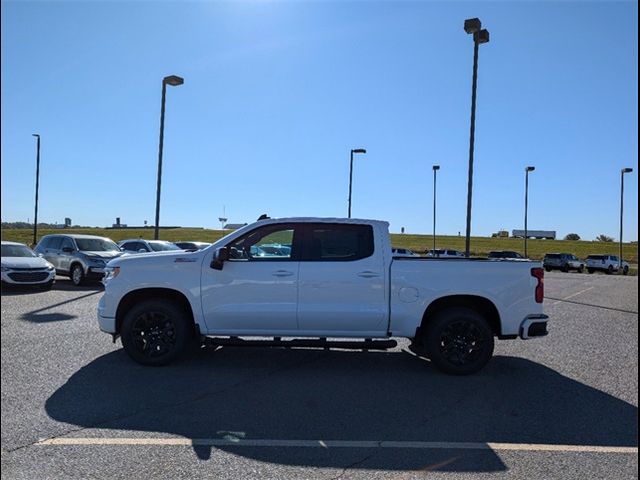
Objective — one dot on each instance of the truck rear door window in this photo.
(338, 242)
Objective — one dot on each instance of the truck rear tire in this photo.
(155, 332)
(459, 341)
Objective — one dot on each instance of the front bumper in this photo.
(22, 277)
(106, 317)
(534, 326)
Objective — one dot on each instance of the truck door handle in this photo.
(282, 273)
(368, 274)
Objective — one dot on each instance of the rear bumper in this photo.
(534, 326)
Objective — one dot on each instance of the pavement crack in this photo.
(357, 462)
(593, 305)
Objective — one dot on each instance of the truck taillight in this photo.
(538, 273)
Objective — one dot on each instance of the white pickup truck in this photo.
(319, 279)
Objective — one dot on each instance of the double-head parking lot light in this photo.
(473, 26)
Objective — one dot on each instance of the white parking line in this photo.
(221, 442)
(574, 295)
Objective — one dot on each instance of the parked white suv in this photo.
(606, 263)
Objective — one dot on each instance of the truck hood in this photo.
(173, 256)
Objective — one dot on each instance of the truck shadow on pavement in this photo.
(37, 316)
(246, 393)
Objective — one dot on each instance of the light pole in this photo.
(622, 172)
(357, 150)
(174, 81)
(35, 219)
(526, 205)
(435, 169)
(473, 26)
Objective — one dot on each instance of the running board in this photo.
(366, 344)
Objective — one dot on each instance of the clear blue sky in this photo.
(276, 94)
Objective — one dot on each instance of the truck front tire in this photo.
(155, 332)
(459, 341)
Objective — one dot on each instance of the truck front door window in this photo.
(269, 243)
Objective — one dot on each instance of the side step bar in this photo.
(366, 344)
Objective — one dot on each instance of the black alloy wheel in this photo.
(459, 341)
(156, 332)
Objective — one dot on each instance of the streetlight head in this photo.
(482, 36)
(359, 150)
(35, 135)
(472, 25)
(173, 80)
(530, 169)
(627, 170)
(436, 167)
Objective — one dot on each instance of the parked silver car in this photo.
(191, 245)
(403, 252)
(80, 257)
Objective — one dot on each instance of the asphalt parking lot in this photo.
(564, 406)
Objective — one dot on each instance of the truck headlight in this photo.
(110, 273)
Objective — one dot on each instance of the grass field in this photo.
(480, 246)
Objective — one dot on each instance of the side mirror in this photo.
(41, 255)
(220, 256)
(67, 249)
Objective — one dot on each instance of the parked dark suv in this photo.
(504, 254)
(562, 261)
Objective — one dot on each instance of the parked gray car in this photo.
(80, 257)
(140, 245)
(562, 261)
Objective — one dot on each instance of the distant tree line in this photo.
(40, 225)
